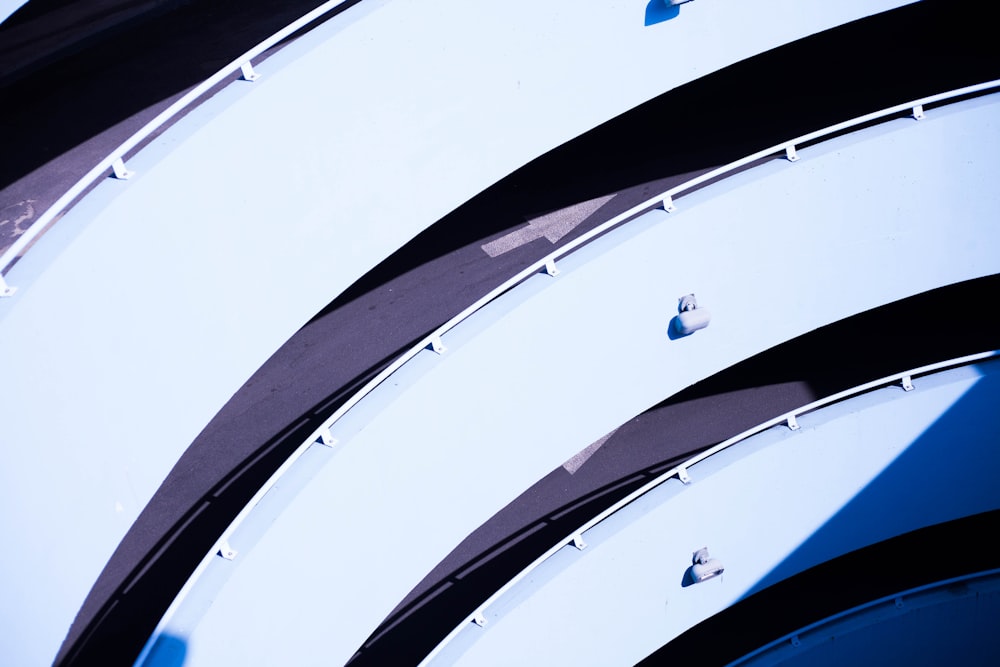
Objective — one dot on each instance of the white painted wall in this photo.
(861, 472)
(155, 299)
(775, 252)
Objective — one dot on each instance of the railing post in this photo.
(791, 154)
(119, 170)
(5, 289)
(247, 73)
(918, 112)
(326, 438)
(682, 475)
(437, 345)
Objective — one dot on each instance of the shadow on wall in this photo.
(948, 472)
(929, 516)
(847, 582)
(658, 11)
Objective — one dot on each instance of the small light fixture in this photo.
(703, 567)
(690, 317)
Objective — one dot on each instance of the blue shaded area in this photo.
(938, 478)
(955, 624)
(167, 651)
(657, 11)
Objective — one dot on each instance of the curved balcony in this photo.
(602, 321)
(118, 304)
(857, 471)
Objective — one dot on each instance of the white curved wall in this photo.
(860, 472)
(153, 300)
(774, 252)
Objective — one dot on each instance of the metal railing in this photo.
(790, 419)
(324, 435)
(115, 161)
(547, 264)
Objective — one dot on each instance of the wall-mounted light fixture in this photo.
(704, 567)
(690, 317)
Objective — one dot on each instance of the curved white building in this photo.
(289, 376)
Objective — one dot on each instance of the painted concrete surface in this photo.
(535, 377)
(773, 506)
(133, 330)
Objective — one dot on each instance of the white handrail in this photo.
(115, 163)
(433, 339)
(325, 433)
(680, 471)
(115, 160)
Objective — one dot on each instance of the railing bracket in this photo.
(479, 618)
(791, 153)
(437, 345)
(247, 73)
(119, 171)
(907, 383)
(578, 542)
(668, 204)
(227, 551)
(326, 438)
(918, 112)
(550, 267)
(682, 474)
(793, 423)
(5, 289)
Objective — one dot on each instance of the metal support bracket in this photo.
(899, 603)
(918, 112)
(119, 171)
(668, 204)
(550, 267)
(247, 73)
(326, 438)
(793, 423)
(791, 153)
(479, 618)
(578, 542)
(227, 551)
(682, 474)
(796, 641)
(5, 289)
(907, 383)
(437, 345)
